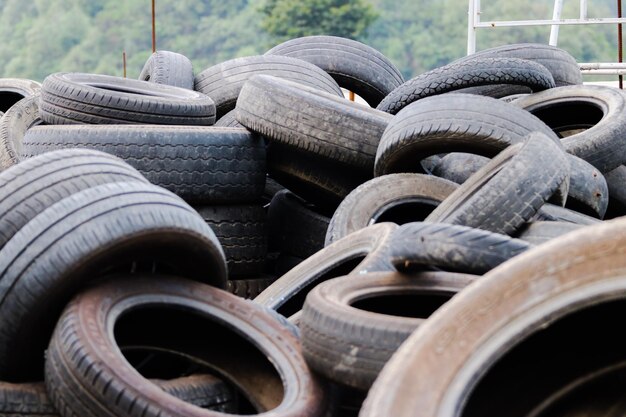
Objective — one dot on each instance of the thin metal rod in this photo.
(153, 26)
(556, 15)
(514, 23)
(351, 95)
(601, 65)
(619, 43)
(471, 27)
(124, 62)
(583, 9)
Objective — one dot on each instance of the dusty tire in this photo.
(509, 190)
(310, 120)
(76, 98)
(450, 247)
(352, 325)
(242, 232)
(228, 120)
(539, 232)
(470, 73)
(458, 166)
(110, 227)
(13, 126)
(553, 213)
(616, 181)
(13, 90)
(200, 164)
(168, 68)
(354, 65)
(397, 198)
(600, 111)
(529, 298)
(223, 82)
(92, 360)
(361, 252)
(249, 288)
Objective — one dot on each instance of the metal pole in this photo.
(471, 27)
(351, 95)
(619, 42)
(556, 15)
(124, 62)
(583, 9)
(153, 26)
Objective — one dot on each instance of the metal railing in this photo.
(597, 68)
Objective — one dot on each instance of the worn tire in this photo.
(470, 73)
(437, 369)
(249, 288)
(228, 120)
(616, 181)
(451, 247)
(88, 356)
(352, 325)
(363, 251)
(310, 120)
(459, 166)
(600, 111)
(13, 126)
(508, 191)
(354, 65)
(13, 90)
(398, 198)
(539, 232)
(199, 164)
(223, 82)
(76, 98)
(168, 68)
(110, 227)
(552, 213)
(242, 232)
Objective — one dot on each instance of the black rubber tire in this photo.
(13, 126)
(508, 191)
(348, 337)
(451, 247)
(242, 232)
(223, 82)
(588, 192)
(354, 65)
(363, 251)
(204, 391)
(228, 120)
(76, 98)
(111, 227)
(168, 68)
(398, 198)
(200, 164)
(306, 119)
(32, 186)
(539, 232)
(600, 111)
(249, 288)
(470, 73)
(553, 213)
(13, 90)
(616, 181)
(452, 123)
(320, 182)
(560, 63)
(86, 374)
(295, 228)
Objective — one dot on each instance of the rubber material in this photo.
(169, 68)
(13, 126)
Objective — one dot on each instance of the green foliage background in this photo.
(38, 37)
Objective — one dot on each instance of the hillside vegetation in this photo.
(39, 37)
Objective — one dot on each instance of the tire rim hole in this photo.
(569, 118)
(406, 211)
(8, 99)
(419, 305)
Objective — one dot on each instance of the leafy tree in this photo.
(286, 19)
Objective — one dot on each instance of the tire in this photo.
(616, 182)
(168, 68)
(560, 63)
(529, 298)
(242, 232)
(228, 120)
(13, 90)
(452, 123)
(355, 66)
(552, 213)
(200, 164)
(306, 119)
(539, 232)
(32, 186)
(108, 228)
(470, 73)
(351, 326)
(13, 126)
(458, 166)
(600, 111)
(318, 181)
(295, 227)
(451, 247)
(76, 98)
(508, 191)
(397, 198)
(93, 362)
(361, 252)
(223, 82)
(249, 288)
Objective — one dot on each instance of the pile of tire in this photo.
(245, 240)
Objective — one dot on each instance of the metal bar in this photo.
(619, 43)
(124, 62)
(513, 23)
(583, 9)
(601, 65)
(554, 29)
(471, 27)
(153, 26)
(603, 71)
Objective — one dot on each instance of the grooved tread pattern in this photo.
(169, 68)
(13, 126)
